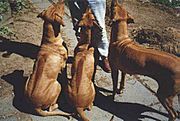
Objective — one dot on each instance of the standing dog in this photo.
(42, 88)
(131, 58)
(80, 89)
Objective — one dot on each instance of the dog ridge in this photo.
(42, 88)
(134, 59)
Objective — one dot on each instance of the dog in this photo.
(42, 88)
(81, 91)
(131, 58)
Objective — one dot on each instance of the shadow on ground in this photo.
(20, 48)
(124, 110)
(17, 80)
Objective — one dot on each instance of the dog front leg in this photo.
(122, 83)
(114, 74)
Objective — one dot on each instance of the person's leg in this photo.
(99, 9)
(77, 8)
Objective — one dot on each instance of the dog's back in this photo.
(81, 90)
(139, 60)
(42, 88)
(162, 66)
(45, 72)
(82, 93)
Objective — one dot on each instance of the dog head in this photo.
(54, 13)
(86, 24)
(119, 13)
(88, 19)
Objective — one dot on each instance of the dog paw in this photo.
(53, 107)
(120, 91)
(68, 117)
(172, 118)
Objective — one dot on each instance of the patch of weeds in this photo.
(5, 31)
(3, 8)
(174, 3)
(18, 5)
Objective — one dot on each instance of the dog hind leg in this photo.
(53, 113)
(53, 107)
(167, 104)
(82, 114)
(90, 107)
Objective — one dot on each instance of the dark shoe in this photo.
(105, 65)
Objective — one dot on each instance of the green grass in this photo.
(174, 3)
(20, 4)
(4, 7)
(5, 31)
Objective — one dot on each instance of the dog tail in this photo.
(52, 113)
(82, 114)
(25, 88)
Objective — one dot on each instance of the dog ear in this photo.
(130, 19)
(41, 15)
(91, 49)
(115, 17)
(59, 7)
(59, 19)
(81, 23)
(88, 19)
(115, 2)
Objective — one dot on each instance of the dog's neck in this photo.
(119, 31)
(85, 37)
(51, 33)
(123, 31)
(84, 41)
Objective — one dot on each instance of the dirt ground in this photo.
(155, 27)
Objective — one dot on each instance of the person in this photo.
(77, 8)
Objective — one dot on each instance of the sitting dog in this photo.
(42, 88)
(131, 58)
(80, 89)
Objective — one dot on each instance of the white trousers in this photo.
(99, 9)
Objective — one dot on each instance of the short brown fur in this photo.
(80, 89)
(131, 58)
(42, 88)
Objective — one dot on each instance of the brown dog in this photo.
(131, 58)
(42, 88)
(80, 89)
